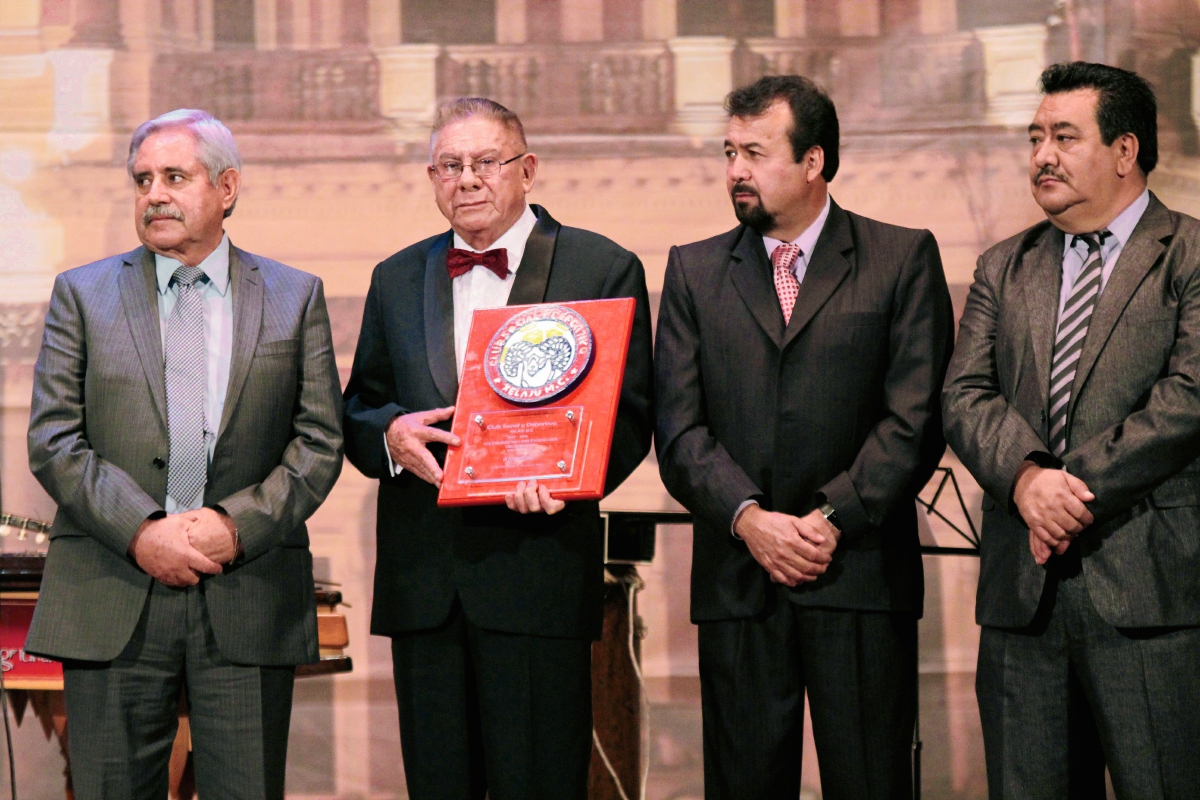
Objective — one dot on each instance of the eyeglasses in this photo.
(485, 167)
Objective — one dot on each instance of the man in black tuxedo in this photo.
(798, 363)
(491, 610)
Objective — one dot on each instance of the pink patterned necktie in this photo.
(786, 285)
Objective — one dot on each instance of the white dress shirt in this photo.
(806, 241)
(218, 339)
(481, 288)
(1075, 250)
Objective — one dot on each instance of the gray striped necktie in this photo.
(186, 378)
(1072, 331)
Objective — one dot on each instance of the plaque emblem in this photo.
(539, 354)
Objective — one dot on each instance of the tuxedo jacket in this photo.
(1133, 420)
(529, 574)
(98, 443)
(843, 400)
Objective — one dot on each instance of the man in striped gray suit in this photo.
(186, 418)
(1074, 398)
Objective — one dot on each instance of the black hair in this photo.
(814, 118)
(1126, 103)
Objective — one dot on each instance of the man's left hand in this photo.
(213, 534)
(533, 498)
(820, 531)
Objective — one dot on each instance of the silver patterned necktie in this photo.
(186, 378)
(1072, 331)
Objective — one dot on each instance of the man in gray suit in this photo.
(186, 419)
(1074, 398)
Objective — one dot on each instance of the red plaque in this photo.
(21, 670)
(538, 400)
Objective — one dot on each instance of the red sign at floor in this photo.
(19, 666)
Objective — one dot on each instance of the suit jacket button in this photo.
(1043, 415)
(159, 463)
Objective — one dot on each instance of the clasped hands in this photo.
(177, 549)
(408, 437)
(793, 550)
(1051, 501)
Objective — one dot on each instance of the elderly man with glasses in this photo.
(491, 610)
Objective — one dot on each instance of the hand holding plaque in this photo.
(538, 401)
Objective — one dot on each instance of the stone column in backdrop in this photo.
(510, 22)
(1013, 59)
(659, 21)
(859, 17)
(791, 19)
(703, 76)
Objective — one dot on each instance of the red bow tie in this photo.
(460, 262)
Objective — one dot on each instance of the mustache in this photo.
(161, 211)
(744, 188)
(1047, 171)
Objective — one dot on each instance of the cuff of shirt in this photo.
(393, 470)
(737, 514)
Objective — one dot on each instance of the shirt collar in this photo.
(513, 239)
(807, 240)
(1122, 227)
(215, 267)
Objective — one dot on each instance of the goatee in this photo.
(753, 216)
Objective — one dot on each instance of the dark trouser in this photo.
(860, 671)
(1052, 695)
(501, 713)
(123, 714)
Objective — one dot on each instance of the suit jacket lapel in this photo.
(752, 277)
(1039, 293)
(246, 284)
(1138, 256)
(533, 275)
(827, 268)
(439, 321)
(139, 296)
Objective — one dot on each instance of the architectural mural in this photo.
(330, 102)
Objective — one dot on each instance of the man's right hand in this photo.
(408, 437)
(1051, 501)
(776, 543)
(161, 548)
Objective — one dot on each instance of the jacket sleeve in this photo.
(312, 461)
(99, 497)
(635, 410)
(988, 435)
(371, 392)
(695, 467)
(901, 452)
(1123, 464)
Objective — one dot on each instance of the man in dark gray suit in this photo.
(798, 362)
(186, 419)
(1074, 399)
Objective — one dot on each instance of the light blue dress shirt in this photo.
(218, 339)
(1075, 249)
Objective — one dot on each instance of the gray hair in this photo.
(215, 147)
(465, 107)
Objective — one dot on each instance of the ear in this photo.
(1126, 147)
(229, 184)
(529, 165)
(813, 162)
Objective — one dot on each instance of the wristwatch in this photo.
(830, 514)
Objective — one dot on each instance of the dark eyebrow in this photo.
(1062, 126)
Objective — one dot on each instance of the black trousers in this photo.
(859, 669)
(1069, 693)
(123, 714)
(497, 713)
